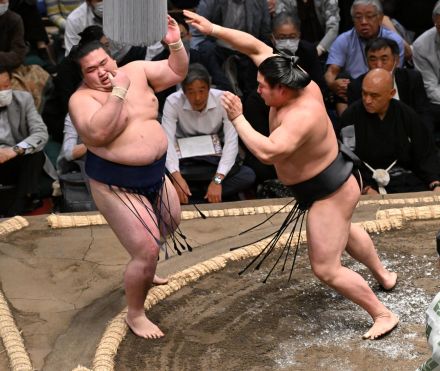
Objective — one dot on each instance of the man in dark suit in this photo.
(23, 135)
(384, 53)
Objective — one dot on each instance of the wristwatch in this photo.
(217, 179)
(18, 150)
(434, 185)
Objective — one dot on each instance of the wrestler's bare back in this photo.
(143, 140)
(305, 116)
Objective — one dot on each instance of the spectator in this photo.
(286, 35)
(66, 82)
(408, 83)
(347, 54)
(387, 135)
(90, 13)
(251, 16)
(23, 136)
(193, 111)
(58, 11)
(426, 59)
(34, 32)
(12, 45)
(72, 149)
(319, 20)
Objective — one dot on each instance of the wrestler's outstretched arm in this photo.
(164, 74)
(242, 41)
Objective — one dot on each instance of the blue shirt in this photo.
(348, 51)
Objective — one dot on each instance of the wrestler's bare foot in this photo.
(157, 280)
(143, 327)
(383, 324)
(389, 281)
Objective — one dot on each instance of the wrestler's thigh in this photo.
(328, 224)
(172, 211)
(131, 232)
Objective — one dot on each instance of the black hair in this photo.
(286, 18)
(91, 33)
(4, 69)
(196, 71)
(82, 49)
(382, 43)
(283, 69)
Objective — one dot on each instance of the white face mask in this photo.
(287, 44)
(3, 8)
(5, 97)
(99, 9)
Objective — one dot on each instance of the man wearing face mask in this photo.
(408, 84)
(286, 35)
(23, 136)
(12, 46)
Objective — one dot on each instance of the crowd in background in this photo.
(391, 120)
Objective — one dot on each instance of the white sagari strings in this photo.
(135, 22)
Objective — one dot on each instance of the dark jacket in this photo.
(12, 46)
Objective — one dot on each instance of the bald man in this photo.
(387, 134)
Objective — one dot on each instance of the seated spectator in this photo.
(408, 83)
(319, 20)
(387, 135)
(286, 35)
(65, 83)
(347, 58)
(251, 16)
(34, 33)
(12, 45)
(59, 10)
(23, 136)
(90, 13)
(72, 149)
(426, 59)
(196, 110)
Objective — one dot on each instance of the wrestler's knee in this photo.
(324, 272)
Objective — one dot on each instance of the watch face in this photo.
(217, 180)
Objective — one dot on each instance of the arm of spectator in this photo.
(15, 56)
(71, 36)
(430, 78)
(207, 9)
(332, 18)
(337, 86)
(70, 149)
(265, 26)
(230, 147)
(387, 23)
(242, 41)
(38, 135)
(54, 14)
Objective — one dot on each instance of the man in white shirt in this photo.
(195, 111)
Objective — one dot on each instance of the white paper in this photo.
(201, 145)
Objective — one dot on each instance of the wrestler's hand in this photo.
(214, 193)
(181, 187)
(199, 22)
(119, 78)
(173, 32)
(232, 104)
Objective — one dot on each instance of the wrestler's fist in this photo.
(232, 104)
(119, 78)
(199, 22)
(173, 32)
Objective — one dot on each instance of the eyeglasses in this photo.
(367, 17)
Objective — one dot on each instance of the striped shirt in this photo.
(58, 10)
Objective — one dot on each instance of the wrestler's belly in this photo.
(141, 143)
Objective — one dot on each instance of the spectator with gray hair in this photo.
(347, 59)
(426, 59)
(319, 20)
(195, 111)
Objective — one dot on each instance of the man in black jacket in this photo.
(384, 53)
(396, 149)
